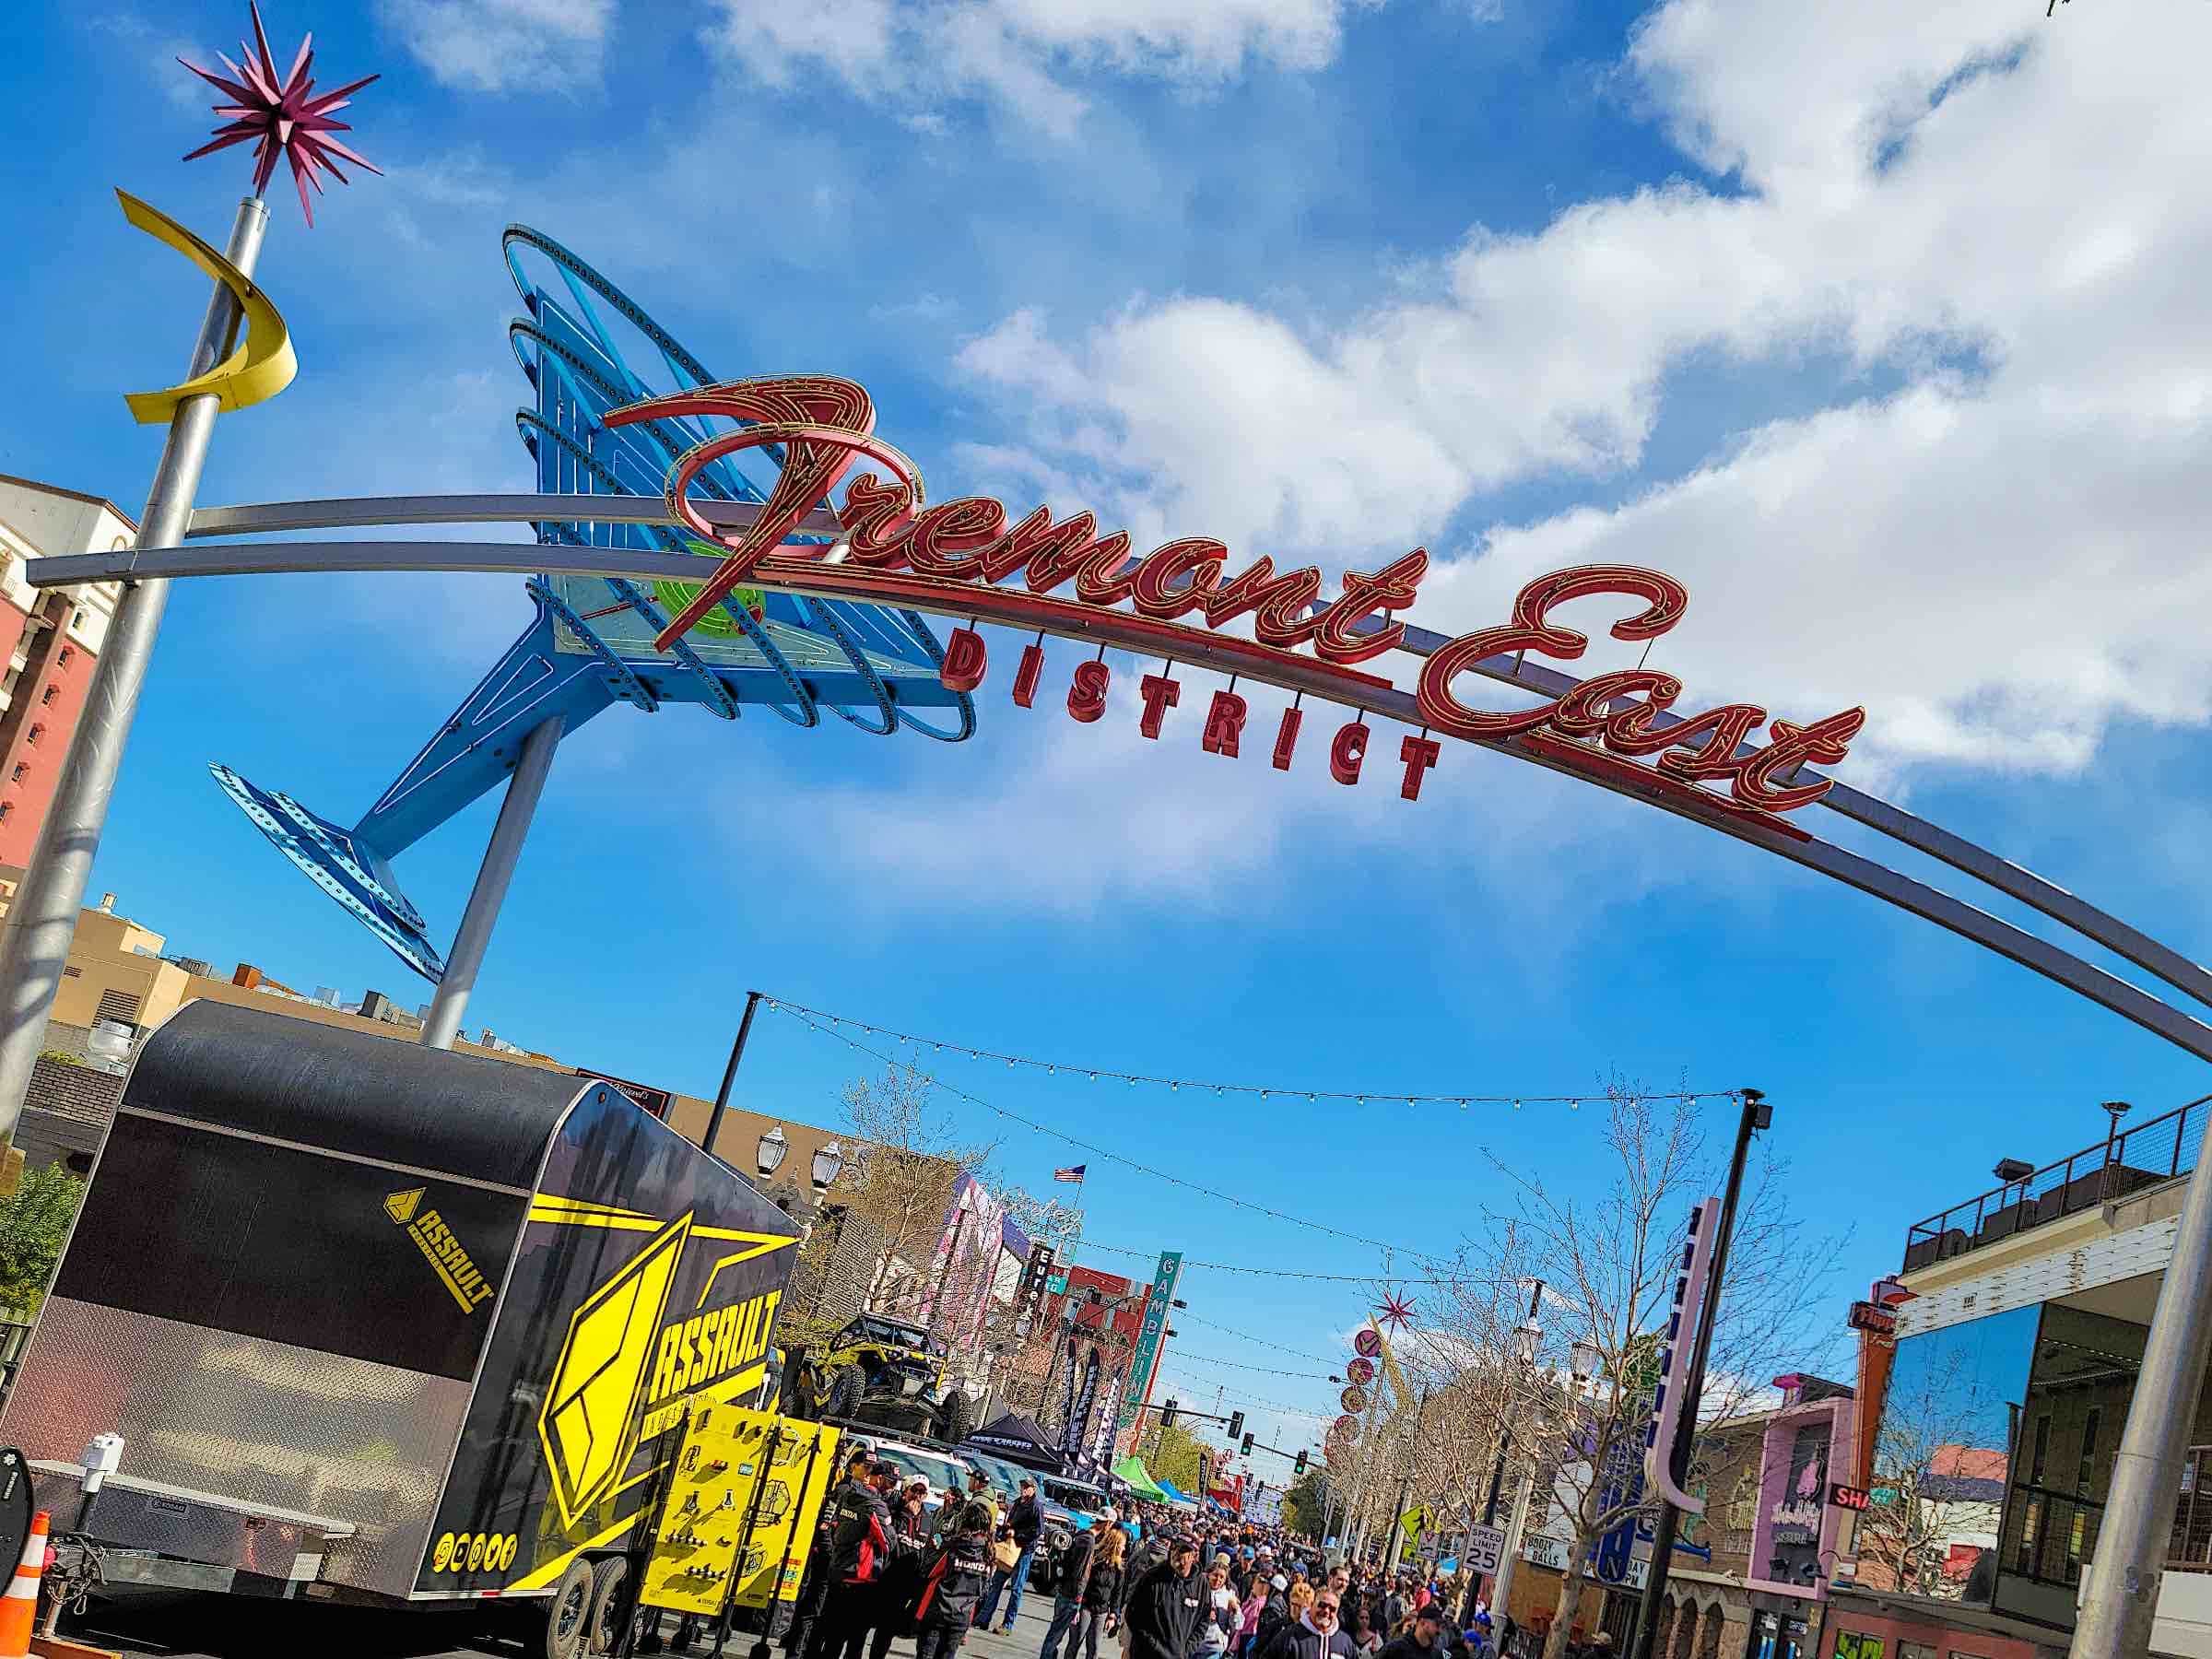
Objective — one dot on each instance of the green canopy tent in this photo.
(1132, 1469)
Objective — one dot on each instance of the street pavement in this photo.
(212, 1627)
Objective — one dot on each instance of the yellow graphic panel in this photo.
(401, 1206)
(589, 1423)
(263, 364)
(740, 1513)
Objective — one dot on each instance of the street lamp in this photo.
(829, 1163)
(773, 1151)
(1526, 1336)
(1583, 1359)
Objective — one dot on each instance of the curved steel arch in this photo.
(1783, 839)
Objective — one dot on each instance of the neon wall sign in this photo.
(1067, 577)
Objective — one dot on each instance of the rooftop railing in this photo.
(2143, 1154)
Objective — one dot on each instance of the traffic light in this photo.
(1300, 1466)
(1167, 1414)
(1246, 1448)
(1236, 1424)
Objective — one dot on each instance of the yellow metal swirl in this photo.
(263, 364)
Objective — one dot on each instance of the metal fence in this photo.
(2145, 1155)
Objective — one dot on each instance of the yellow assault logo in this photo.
(446, 1254)
(589, 1425)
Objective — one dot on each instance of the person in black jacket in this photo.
(1313, 1635)
(901, 1581)
(1027, 1519)
(1067, 1598)
(859, 1539)
(951, 1584)
(1103, 1594)
(814, 1589)
(1163, 1606)
(1425, 1640)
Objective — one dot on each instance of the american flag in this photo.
(1073, 1172)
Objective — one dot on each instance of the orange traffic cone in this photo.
(20, 1607)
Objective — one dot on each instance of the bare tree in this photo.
(1607, 1264)
(900, 1179)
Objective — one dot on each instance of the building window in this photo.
(48, 695)
(37, 732)
(22, 770)
(69, 656)
(2043, 1451)
(1914, 1650)
(6, 810)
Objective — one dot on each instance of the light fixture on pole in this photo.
(1583, 1359)
(773, 1151)
(1527, 1335)
(828, 1164)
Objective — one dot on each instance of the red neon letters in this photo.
(1624, 710)
(950, 558)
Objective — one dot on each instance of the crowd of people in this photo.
(1148, 1583)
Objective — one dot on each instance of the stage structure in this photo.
(590, 642)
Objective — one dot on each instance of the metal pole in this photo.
(1413, 1450)
(1499, 1592)
(42, 920)
(500, 856)
(1756, 1114)
(1490, 1508)
(2121, 1590)
(729, 1073)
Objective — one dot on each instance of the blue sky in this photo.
(1887, 338)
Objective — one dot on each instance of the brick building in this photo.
(52, 637)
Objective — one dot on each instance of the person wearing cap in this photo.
(1275, 1613)
(954, 1508)
(1424, 1640)
(1073, 1575)
(1164, 1605)
(1027, 1519)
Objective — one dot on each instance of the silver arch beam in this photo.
(2128, 943)
(231, 559)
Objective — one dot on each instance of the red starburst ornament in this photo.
(281, 115)
(1396, 1311)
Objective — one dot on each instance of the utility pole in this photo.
(1756, 1115)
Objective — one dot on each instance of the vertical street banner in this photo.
(1146, 1365)
(1078, 1415)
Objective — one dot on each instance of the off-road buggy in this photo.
(880, 1372)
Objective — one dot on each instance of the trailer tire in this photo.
(610, 1604)
(568, 1613)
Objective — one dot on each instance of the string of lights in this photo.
(1265, 1370)
(1289, 1273)
(807, 1017)
(1098, 1074)
(1248, 1337)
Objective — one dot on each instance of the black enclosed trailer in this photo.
(379, 1322)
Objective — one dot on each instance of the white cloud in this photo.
(505, 45)
(1017, 53)
(1998, 559)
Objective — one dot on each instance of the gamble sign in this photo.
(962, 557)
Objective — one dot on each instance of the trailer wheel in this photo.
(610, 1605)
(568, 1613)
